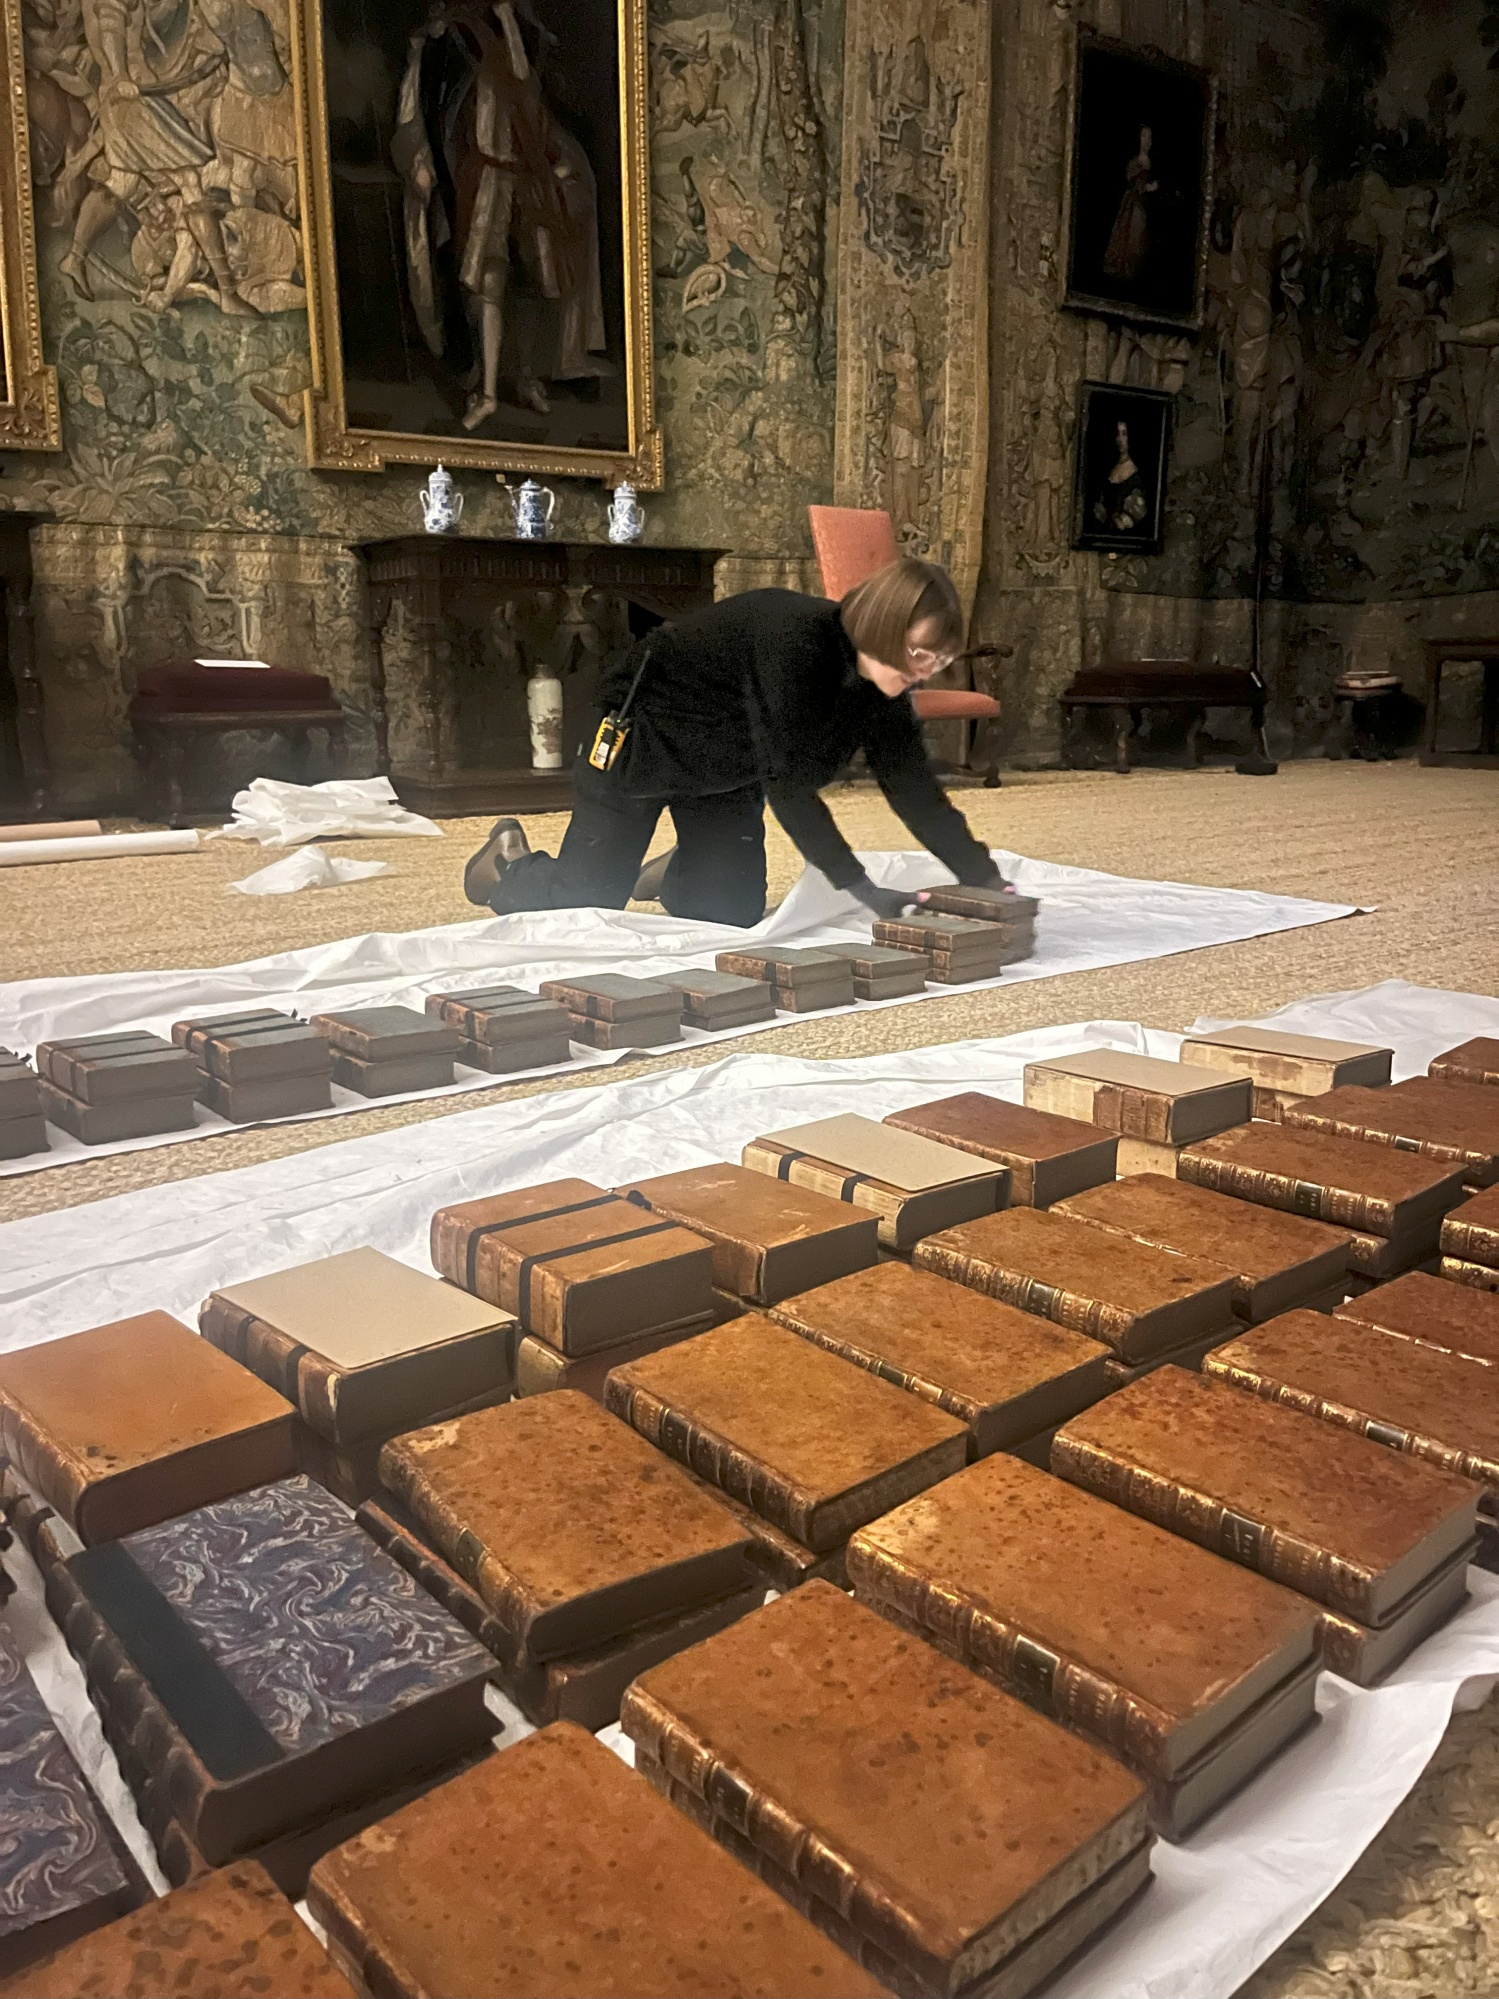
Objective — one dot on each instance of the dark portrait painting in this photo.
(1142, 134)
(1119, 483)
(483, 264)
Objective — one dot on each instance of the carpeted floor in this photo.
(1420, 1914)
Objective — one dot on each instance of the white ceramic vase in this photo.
(544, 712)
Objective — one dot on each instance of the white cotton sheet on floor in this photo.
(1087, 920)
(1222, 1901)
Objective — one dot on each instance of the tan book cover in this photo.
(1278, 1260)
(579, 1268)
(135, 1422)
(1444, 1121)
(1470, 1231)
(1137, 1096)
(1453, 1318)
(1345, 1181)
(861, 1145)
(1135, 1299)
(1144, 1155)
(1047, 1157)
(910, 1183)
(231, 1934)
(559, 1870)
(1300, 1064)
(770, 1239)
(363, 1343)
(852, 1756)
(815, 1445)
(569, 1526)
(1474, 1061)
(1155, 1648)
(1345, 1521)
(1438, 1406)
(1004, 1373)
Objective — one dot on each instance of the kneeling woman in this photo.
(765, 696)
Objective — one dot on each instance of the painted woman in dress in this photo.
(1121, 505)
(1129, 239)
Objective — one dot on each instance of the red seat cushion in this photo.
(943, 704)
(205, 690)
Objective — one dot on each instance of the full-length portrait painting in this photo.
(1119, 487)
(1140, 185)
(477, 233)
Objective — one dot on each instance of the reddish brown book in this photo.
(1298, 1065)
(1438, 1406)
(850, 1756)
(1135, 1299)
(769, 1239)
(1453, 1318)
(579, 1268)
(1189, 1668)
(1471, 1231)
(1452, 1123)
(541, 1370)
(101, 1069)
(1278, 1260)
(1345, 1181)
(816, 1446)
(1048, 1157)
(1004, 1373)
(254, 1048)
(1478, 1276)
(1166, 1103)
(940, 935)
(558, 1870)
(1348, 1523)
(136, 1422)
(613, 996)
(193, 1034)
(1474, 1061)
(985, 905)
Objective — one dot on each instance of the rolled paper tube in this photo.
(948, 704)
(57, 829)
(102, 847)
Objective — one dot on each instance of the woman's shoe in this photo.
(648, 882)
(507, 842)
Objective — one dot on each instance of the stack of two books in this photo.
(800, 981)
(1452, 1123)
(386, 1051)
(1474, 1061)
(716, 1001)
(1153, 1107)
(912, 1184)
(102, 1088)
(1285, 1069)
(1047, 1157)
(613, 1011)
(504, 1029)
(590, 1278)
(881, 972)
(1470, 1242)
(22, 1127)
(260, 1064)
(958, 951)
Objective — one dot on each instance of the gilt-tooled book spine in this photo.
(713, 1458)
(1280, 1190)
(470, 1559)
(1470, 1242)
(1109, 1324)
(1282, 1556)
(819, 1177)
(60, 1478)
(436, 1578)
(1308, 1117)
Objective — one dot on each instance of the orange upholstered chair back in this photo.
(851, 543)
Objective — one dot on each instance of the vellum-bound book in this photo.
(769, 1238)
(1451, 1123)
(1190, 1669)
(1138, 1300)
(1381, 1540)
(1047, 1157)
(1453, 1318)
(912, 1184)
(853, 1759)
(1165, 1103)
(1299, 1065)
(1005, 1373)
(554, 1869)
(1374, 1189)
(816, 1446)
(1474, 1061)
(364, 1345)
(1278, 1260)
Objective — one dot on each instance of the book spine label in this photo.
(1280, 1190)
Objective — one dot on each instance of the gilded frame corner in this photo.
(332, 445)
(29, 416)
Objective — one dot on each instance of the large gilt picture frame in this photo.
(28, 387)
(476, 206)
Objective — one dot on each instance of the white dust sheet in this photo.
(1221, 1902)
(1087, 920)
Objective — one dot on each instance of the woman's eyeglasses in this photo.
(921, 659)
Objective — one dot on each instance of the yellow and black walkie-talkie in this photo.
(614, 730)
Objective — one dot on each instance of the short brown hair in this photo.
(879, 612)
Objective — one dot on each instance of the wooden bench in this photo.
(176, 706)
(1126, 690)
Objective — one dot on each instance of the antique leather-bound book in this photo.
(1470, 1232)
(1278, 1260)
(498, 1014)
(272, 1097)
(260, 1663)
(579, 1268)
(558, 1870)
(63, 1868)
(385, 1033)
(1475, 1061)
(769, 1238)
(1438, 1406)
(816, 1446)
(127, 1424)
(1192, 1670)
(252, 1048)
(1343, 1520)
(230, 1934)
(931, 931)
(781, 965)
(508, 1058)
(943, 970)
(911, 1183)
(850, 1755)
(116, 1068)
(541, 1370)
(1166, 1103)
(1453, 1318)
(202, 1027)
(612, 996)
(571, 1528)
(1138, 1300)
(646, 1030)
(1452, 1123)
(818, 998)
(1004, 1373)
(22, 1127)
(364, 1344)
(985, 905)
(108, 1124)
(718, 999)
(1047, 1156)
(1348, 1182)
(1299, 1065)
(882, 973)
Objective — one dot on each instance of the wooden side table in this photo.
(1440, 654)
(165, 736)
(1129, 689)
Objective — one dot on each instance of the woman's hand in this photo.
(888, 904)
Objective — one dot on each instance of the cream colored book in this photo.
(1300, 1064)
(1166, 1103)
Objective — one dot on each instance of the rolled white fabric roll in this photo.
(99, 847)
(58, 829)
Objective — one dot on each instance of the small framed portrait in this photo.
(1119, 484)
(1140, 189)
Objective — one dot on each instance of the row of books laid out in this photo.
(260, 1063)
(1043, 1595)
